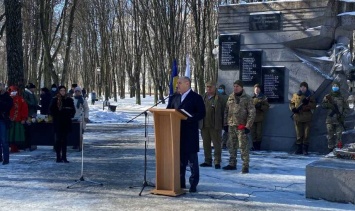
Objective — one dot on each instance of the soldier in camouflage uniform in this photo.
(338, 108)
(261, 106)
(302, 104)
(212, 125)
(222, 92)
(239, 115)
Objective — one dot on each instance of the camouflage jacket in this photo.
(261, 106)
(328, 103)
(239, 110)
(306, 113)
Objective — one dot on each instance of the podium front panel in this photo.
(167, 149)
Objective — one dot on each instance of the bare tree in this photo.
(14, 48)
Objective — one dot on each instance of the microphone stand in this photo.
(145, 182)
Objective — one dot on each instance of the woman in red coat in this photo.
(18, 117)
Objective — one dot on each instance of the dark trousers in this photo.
(190, 159)
(61, 145)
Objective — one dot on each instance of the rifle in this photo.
(298, 108)
(337, 112)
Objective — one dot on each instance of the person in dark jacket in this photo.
(222, 91)
(31, 99)
(71, 91)
(6, 103)
(62, 109)
(45, 101)
(83, 92)
(189, 133)
(54, 90)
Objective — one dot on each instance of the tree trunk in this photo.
(14, 48)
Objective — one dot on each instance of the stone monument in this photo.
(309, 40)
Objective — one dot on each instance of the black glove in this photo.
(295, 111)
(225, 128)
(305, 101)
(258, 106)
(246, 131)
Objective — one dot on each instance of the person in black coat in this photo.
(54, 90)
(6, 103)
(189, 131)
(62, 109)
(45, 100)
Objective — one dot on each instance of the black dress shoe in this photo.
(217, 166)
(192, 189)
(205, 164)
(229, 167)
(183, 186)
(5, 162)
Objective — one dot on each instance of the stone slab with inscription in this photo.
(250, 66)
(273, 78)
(229, 47)
(265, 21)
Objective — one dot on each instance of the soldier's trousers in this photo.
(211, 135)
(237, 138)
(302, 132)
(224, 138)
(334, 134)
(257, 131)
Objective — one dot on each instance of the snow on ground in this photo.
(114, 156)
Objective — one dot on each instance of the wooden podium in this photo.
(167, 151)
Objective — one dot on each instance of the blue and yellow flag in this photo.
(174, 77)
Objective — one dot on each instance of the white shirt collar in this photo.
(185, 94)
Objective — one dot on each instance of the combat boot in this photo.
(298, 150)
(258, 145)
(229, 167)
(245, 170)
(305, 149)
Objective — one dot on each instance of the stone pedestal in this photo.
(332, 180)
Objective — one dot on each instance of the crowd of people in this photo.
(226, 121)
(17, 109)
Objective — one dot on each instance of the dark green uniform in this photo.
(212, 127)
(302, 119)
(261, 106)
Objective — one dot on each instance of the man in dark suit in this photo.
(189, 134)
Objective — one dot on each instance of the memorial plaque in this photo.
(250, 67)
(229, 47)
(273, 78)
(264, 21)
